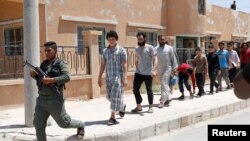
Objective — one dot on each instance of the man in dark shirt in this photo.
(213, 68)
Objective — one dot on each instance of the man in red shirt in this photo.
(248, 43)
(184, 72)
(248, 52)
(243, 55)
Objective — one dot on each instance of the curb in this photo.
(144, 131)
(170, 124)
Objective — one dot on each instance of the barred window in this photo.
(13, 38)
(151, 38)
(201, 7)
(101, 38)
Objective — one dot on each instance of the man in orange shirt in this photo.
(184, 72)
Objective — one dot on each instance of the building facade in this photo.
(185, 23)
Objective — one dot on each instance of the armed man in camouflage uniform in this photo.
(50, 89)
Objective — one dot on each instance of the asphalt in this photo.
(132, 127)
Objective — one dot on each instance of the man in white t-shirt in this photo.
(234, 63)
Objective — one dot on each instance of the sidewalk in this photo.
(132, 127)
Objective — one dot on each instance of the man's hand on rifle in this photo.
(48, 80)
(33, 73)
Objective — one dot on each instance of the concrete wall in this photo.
(6, 13)
(11, 92)
(10, 11)
(7, 10)
(183, 18)
(227, 21)
(121, 11)
(78, 87)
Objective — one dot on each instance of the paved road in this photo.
(198, 132)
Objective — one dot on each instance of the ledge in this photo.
(91, 32)
(213, 33)
(11, 82)
(88, 20)
(21, 81)
(11, 21)
(80, 77)
(239, 35)
(153, 26)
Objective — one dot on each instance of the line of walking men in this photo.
(161, 61)
(217, 64)
(150, 62)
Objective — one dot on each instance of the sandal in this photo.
(112, 121)
(122, 113)
(136, 110)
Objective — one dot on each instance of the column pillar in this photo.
(31, 54)
(91, 40)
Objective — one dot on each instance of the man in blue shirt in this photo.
(223, 56)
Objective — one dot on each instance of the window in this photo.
(201, 7)
(101, 38)
(151, 38)
(13, 38)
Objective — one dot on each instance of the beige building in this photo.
(186, 23)
(194, 23)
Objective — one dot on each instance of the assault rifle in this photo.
(40, 75)
(38, 70)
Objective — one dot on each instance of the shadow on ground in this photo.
(12, 126)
